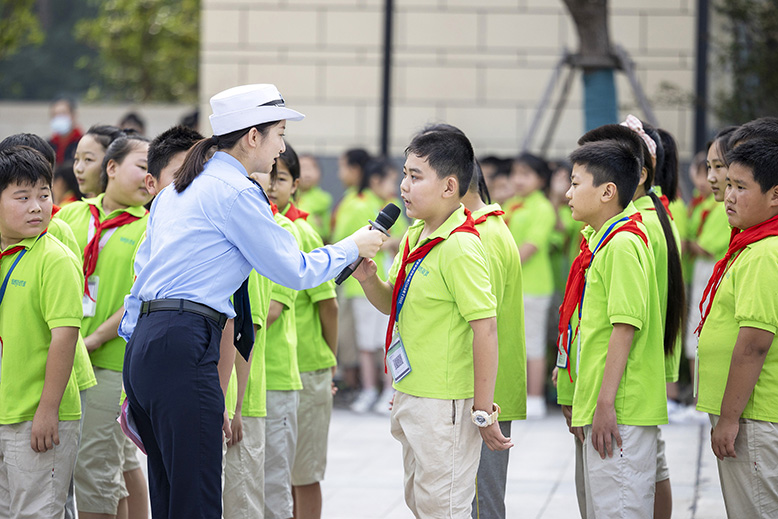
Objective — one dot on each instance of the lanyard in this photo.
(13, 266)
(404, 290)
(591, 261)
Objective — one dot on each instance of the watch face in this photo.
(480, 420)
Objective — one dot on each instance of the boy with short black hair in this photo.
(442, 349)
(166, 154)
(619, 396)
(738, 358)
(39, 322)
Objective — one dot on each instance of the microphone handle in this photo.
(346, 272)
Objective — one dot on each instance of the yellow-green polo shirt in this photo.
(43, 292)
(450, 288)
(282, 371)
(317, 202)
(563, 246)
(313, 353)
(565, 382)
(114, 269)
(533, 223)
(714, 236)
(353, 212)
(656, 238)
(746, 297)
(692, 230)
(510, 390)
(621, 288)
(85, 375)
(254, 401)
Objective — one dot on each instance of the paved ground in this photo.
(364, 474)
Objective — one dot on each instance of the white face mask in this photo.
(61, 124)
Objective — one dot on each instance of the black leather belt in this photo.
(183, 305)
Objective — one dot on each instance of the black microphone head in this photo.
(388, 216)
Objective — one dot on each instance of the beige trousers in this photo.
(441, 451)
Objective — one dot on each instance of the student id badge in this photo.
(89, 302)
(397, 359)
(562, 357)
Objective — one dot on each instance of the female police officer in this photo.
(205, 234)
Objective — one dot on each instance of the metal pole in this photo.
(387, 76)
(701, 79)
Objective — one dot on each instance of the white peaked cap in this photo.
(248, 105)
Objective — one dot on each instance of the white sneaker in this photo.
(365, 401)
(382, 404)
(536, 407)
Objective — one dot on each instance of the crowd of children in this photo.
(594, 264)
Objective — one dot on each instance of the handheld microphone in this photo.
(383, 222)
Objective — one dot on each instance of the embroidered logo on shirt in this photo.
(127, 240)
(424, 272)
(18, 283)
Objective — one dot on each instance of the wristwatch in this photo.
(484, 419)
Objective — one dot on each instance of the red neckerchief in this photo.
(60, 143)
(738, 240)
(273, 208)
(665, 202)
(92, 249)
(512, 209)
(408, 259)
(293, 213)
(703, 217)
(11, 251)
(697, 200)
(576, 281)
(481, 219)
(55, 209)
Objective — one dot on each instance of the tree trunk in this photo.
(595, 58)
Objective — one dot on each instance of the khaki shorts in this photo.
(622, 486)
(313, 426)
(441, 451)
(280, 446)
(130, 459)
(749, 482)
(370, 325)
(35, 484)
(98, 475)
(535, 325)
(244, 473)
(662, 472)
(347, 341)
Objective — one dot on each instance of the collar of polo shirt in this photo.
(248, 105)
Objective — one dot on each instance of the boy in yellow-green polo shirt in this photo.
(107, 228)
(619, 394)
(244, 470)
(313, 199)
(40, 313)
(283, 394)
(316, 315)
(443, 352)
(510, 390)
(532, 224)
(738, 348)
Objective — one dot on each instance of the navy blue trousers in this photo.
(172, 384)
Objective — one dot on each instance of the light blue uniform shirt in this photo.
(201, 244)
